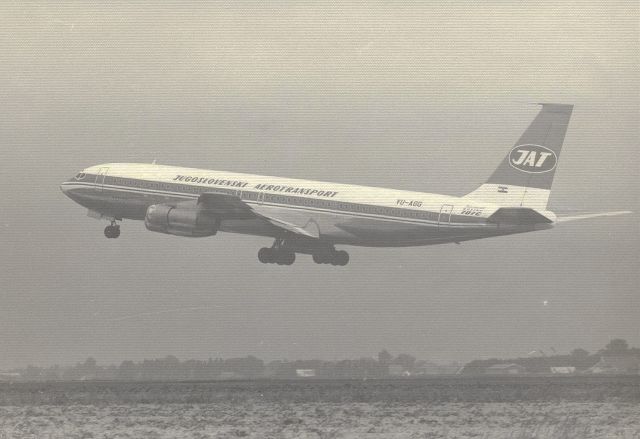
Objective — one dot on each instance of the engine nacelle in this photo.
(181, 220)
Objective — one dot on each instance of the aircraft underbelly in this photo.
(386, 233)
(357, 230)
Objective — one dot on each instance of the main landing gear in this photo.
(277, 254)
(332, 257)
(282, 254)
(272, 255)
(112, 231)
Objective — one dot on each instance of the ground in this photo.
(435, 408)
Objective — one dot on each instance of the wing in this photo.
(227, 206)
(563, 218)
(310, 228)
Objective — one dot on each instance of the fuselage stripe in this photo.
(282, 205)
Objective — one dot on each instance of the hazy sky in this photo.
(426, 97)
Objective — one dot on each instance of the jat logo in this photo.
(534, 159)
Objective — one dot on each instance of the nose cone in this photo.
(75, 187)
(65, 187)
(70, 188)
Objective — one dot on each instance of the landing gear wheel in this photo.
(320, 258)
(265, 255)
(331, 257)
(112, 231)
(340, 258)
(286, 258)
(268, 255)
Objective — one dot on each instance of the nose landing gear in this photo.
(112, 231)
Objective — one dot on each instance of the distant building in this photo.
(437, 369)
(305, 373)
(396, 370)
(563, 370)
(10, 376)
(229, 376)
(505, 369)
(617, 364)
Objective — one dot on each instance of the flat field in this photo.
(460, 407)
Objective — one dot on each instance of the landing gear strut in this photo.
(112, 231)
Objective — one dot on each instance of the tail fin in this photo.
(524, 177)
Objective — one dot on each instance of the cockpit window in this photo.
(80, 176)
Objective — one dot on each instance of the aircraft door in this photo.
(445, 215)
(102, 173)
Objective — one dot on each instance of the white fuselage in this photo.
(343, 214)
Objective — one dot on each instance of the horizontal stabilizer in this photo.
(518, 216)
(562, 219)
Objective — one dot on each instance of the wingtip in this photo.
(555, 107)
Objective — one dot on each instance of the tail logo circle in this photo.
(533, 159)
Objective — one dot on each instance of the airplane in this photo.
(312, 217)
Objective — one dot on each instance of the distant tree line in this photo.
(168, 368)
(385, 365)
(171, 368)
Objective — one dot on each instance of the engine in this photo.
(182, 220)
